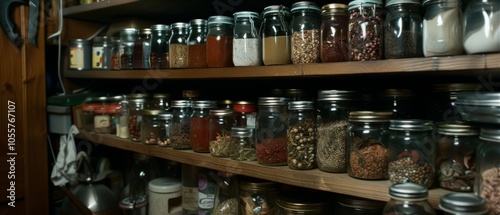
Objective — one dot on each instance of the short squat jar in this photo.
(480, 33)
(412, 152)
(220, 41)
(334, 28)
(242, 146)
(403, 29)
(182, 110)
(305, 24)
(302, 135)
(219, 131)
(488, 169)
(408, 199)
(276, 35)
(257, 196)
(365, 30)
(367, 152)
(462, 204)
(247, 43)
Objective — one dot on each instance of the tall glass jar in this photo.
(242, 146)
(276, 35)
(334, 28)
(367, 153)
(220, 41)
(137, 103)
(365, 30)
(270, 131)
(199, 124)
(115, 53)
(164, 129)
(403, 29)
(462, 204)
(302, 135)
(456, 161)
(150, 126)
(197, 43)
(178, 45)
(442, 28)
(160, 35)
(257, 196)
(408, 199)
(412, 152)
(122, 129)
(305, 24)
(219, 131)
(488, 169)
(247, 43)
(182, 110)
(142, 49)
(481, 27)
(245, 113)
(128, 36)
(101, 52)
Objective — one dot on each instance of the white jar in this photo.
(165, 196)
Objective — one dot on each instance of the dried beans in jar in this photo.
(365, 30)
(306, 21)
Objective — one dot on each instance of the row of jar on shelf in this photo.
(306, 33)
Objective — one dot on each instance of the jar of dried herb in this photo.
(198, 124)
(160, 35)
(488, 168)
(271, 131)
(182, 110)
(412, 152)
(402, 29)
(301, 135)
(136, 104)
(178, 45)
(219, 131)
(257, 196)
(242, 146)
(305, 24)
(334, 28)
(276, 35)
(456, 148)
(408, 199)
(365, 30)
(367, 153)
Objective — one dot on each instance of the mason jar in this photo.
(219, 131)
(137, 103)
(247, 42)
(197, 43)
(245, 113)
(302, 135)
(164, 129)
(488, 168)
(150, 127)
(242, 146)
(365, 30)
(334, 28)
(462, 204)
(115, 53)
(178, 45)
(220, 41)
(160, 101)
(480, 33)
(305, 24)
(257, 196)
(271, 131)
(276, 35)
(160, 35)
(408, 199)
(128, 36)
(199, 124)
(403, 29)
(142, 49)
(442, 28)
(299, 203)
(353, 205)
(101, 52)
(412, 152)
(367, 150)
(182, 110)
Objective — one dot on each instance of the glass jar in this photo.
(101, 52)
(365, 30)
(122, 130)
(178, 45)
(257, 196)
(403, 103)
(165, 196)
(353, 205)
(134, 196)
(137, 103)
(412, 152)
(403, 29)
(199, 124)
(197, 43)
(245, 113)
(367, 153)
(305, 24)
(88, 112)
(182, 110)
(150, 126)
(128, 36)
(160, 35)
(442, 104)
(334, 28)
(301, 135)
(115, 53)
(79, 54)
(226, 199)
(276, 35)
(160, 101)
(481, 35)
(164, 129)
(104, 118)
(462, 204)
(220, 41)
(207, 189)
(225, 104)
(242, 146)
(189, 189)
(442, 28)
(456, 161)
(219, 131)
(247, 42)
(488, 168)
(295, 203)
(142, 49)
(270, 131)
(408, 199)
(135, 206)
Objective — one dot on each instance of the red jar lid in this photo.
(90, 107)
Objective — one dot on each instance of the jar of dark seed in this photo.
(353, 205)
(137, 103)
(198, 124)
(334, 28)
(408, 199)
(164, 129)
(365, 30)
(305, 24)
(456, 161)
(158, 57)
(182, 110)
(367, 151)
(219, 131)
(403, 29)
(178, 45)
(332, 125)
(462, 204)
(128, 36)
(242, 146)
(487, 182)
(412, 152)
(271, 131)
(276, 35)
(150, 126)
(301, 135)
(257, 196)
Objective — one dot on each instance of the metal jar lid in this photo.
(256, 185)
(490, 134)
(360, 203)
(272, 101)
(408, 191)
(333, 8)
(369, 116)
(410, 125)
(138, 202)
(428, 2)
(179, 25)
(150, 112)
(221, 112)
(457, 128)
(160, 27)
(79, 42)
(165, 116)
(161, 96)
(364, 3)
(204, 104)
(129, 33)
(394, 2)
(283, 10)
(478, 99)
(305, 5)
(220, 20)
(246, 14)
(182, 103)
(336, 95)
(242, 131)
(200, 22)
(300, 202)
(463, 203)
(139, 96)
(300, 105)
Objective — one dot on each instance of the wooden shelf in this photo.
(313, 179)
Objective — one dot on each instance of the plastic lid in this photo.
(457, 128)
(198, 22)
(271, 101)
(369, 116)
(410, 125)
(181, 103)
(305, 5)
(276, 9)
(331, 8)
(393, 2)
(165, 185)
(300, 105)
(204, 104)
(408, 191)
(220, 20)
(246, 14)
(364, 3)
(160, 27)
(179, 25)
(490, 134)
(128, 204)
(463, 203)
(221, 112)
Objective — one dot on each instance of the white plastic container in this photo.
(165, 196)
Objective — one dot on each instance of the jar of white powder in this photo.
(481, 22)
(247, 43)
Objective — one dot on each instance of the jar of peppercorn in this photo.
(367, 153)
(408, 199)
(412, 152)
(334, 28)
(220, 122)
(182, 110)
(271, 131)
(137, 103)
(150, 126)
(402, 29)
(199, 124)
(365, 30)
(301, 135)
(220, 41)
(276, 35)
(305, 24)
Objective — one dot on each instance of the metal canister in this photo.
(79, 54)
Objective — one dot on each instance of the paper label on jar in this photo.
(102, 121)
(76, 58)
(190, 198)
(97, 53)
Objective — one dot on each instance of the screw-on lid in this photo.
(408, 191)
(242, 131)
(181, 25)
(138, 202)
(457, 128)
(165, 185)
(300, 105)
(364, 3)
(272, 101)
(393, 2)
(305, 5)
(361, 203)
(244, 106)
(182, 103)
(220, 20)
(490, 134)
(369, 116)
(255, 184)
(334, 8)
(150, 112)
(478, 99)
(145, 31)
(427, 2)
(298, 202)
(204, 104)
(161, 95)
(129, 33)
(276, 9)
(198, 22)
(336, 95)
(139, 96)
(165, 116)
(246, 14)
(221, 112)
(410, 125)
(463, 203)
(160, 27)
(78, 42)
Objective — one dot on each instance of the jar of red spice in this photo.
(334, 28)
(302, 135)
(276, 35)
(271, 131)
(245, 113)
(305, 24)
(137, 103)
(178, 47)
(160, 35)
(199, 124)
(197, 47)
(220, 41)
(219, 131)
(365, 30)
(142, 49)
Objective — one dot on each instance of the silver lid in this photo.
(410, 125)
(202, 22)
(160, 27)
(165, 116)
(305, 5)
(364, 3)
(478, 99)
(272, 101)
(457, 128)
(490, 134)
(408, 191)
(221, 112)
(463, 203)
(427, 2)
(300, 105)
(179, 25)
(369, 116)
(181, 103)
(220, 20)
(336, 95)
(129, 32)
(246, 14)
(394, 2)
(149, 112)
(161, 95)
(242, 131)
(204, 104)
(276, 9)
(139, 96)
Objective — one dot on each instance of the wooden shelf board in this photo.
(114, 141)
